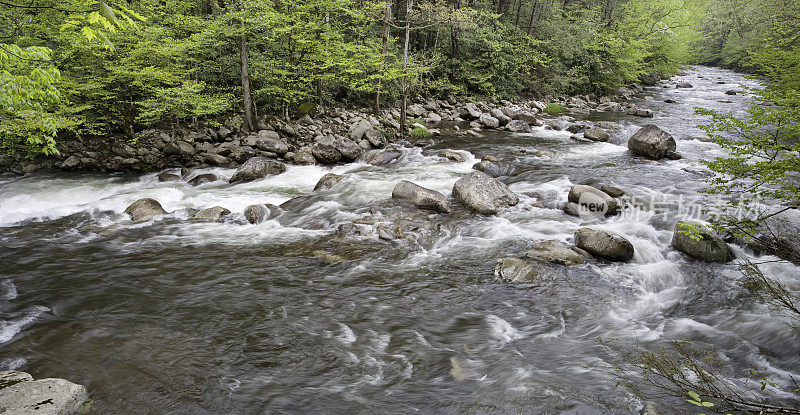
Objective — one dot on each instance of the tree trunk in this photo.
(454, 44)
(404, 107)
(387, 17)
(533, 16)
(249, 117)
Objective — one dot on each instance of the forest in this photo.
(430, 206)
(91, 68)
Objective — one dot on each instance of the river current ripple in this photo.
(289, 316)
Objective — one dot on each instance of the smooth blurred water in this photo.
(291, 316)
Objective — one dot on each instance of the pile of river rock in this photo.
(328, 137)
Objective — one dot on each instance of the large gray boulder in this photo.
(489, 122)
(12, 377)
(554, 252)
(168, 176)
(470, 112)
(420, 197)
(212, 214)
(256, 214)
(144, 209)
(596, 134)
(203, 178)
(348, 149)
(257, 168)
(270, 141)
(42, 397)
(328, 181)
(375, 138)
(592, 201)
(326, 153)
(699, 242)
(518, 126)
(491, 168)
(653, 143)
(604, 244)
(483, 194)
(358, 129)
(384, 157)
(522, 271)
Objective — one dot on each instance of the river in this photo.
(291, 316)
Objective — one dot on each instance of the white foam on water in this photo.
(502, 330)
(11, 327)
(8, 291)
(346, 335)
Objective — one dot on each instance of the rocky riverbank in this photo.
(21, 395)
(329, 137)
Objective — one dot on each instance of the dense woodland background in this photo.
(83, 67)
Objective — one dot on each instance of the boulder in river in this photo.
(596, 134)
(483, 194)
(41, 397)
(604, 244)
(684, 85)
(471, 112)
(144, 209)
(518, 126)
(420, 197)
(375, 138)
(328, 181)
(256, 214)
(384, 157)
(491, 168)
(203, 178)
(612, 191)
(489, 122)
(555, 252)
(653, 143)
(592, 201)
(257, 168)
(452, 156)
(348, 149)
(699, 242)
(326, 153)
(520, 270)
(168, 176)
(212, 214)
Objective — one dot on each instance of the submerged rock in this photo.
(421, 197)
(555, 252)
(256, 214)
(612, 191)
(203, 178)
(653, 143)
(491, 168)
(212, 214)
(144, 209)
(592, 200)
(604, 244)
(257, 168)
(596, 134)
(483, 194)
(328, 181)
(168, 176)
(519, 270)
(705, 246)
(452, 156)
(384, 157)
(42, 397)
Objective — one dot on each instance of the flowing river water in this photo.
(293, 316)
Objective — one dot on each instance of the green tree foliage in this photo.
(192, 61)
(764, 146)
